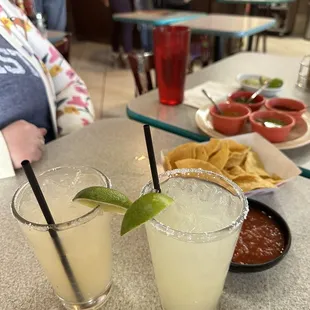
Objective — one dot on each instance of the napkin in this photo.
(6, 169)
(195, 98)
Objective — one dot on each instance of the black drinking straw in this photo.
(50, 221)
(152, 160)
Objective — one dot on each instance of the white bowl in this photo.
(268, 92)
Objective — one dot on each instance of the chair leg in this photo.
(190, 68)
(257, 43)
(264, 43)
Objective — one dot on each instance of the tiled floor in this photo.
(111, 89)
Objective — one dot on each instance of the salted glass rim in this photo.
(62, 225)
(199, 236)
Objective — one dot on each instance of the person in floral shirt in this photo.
(41, 96)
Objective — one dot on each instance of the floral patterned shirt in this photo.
(68, 99)
(71, 100)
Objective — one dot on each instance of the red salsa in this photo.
(260, 240)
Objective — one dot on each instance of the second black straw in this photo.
(151, 154)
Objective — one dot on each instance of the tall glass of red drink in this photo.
(171, 48)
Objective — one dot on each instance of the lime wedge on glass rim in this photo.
(111, 200)
(143, 210)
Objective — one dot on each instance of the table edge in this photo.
(239, 34)
(183, 133)
(158, 22)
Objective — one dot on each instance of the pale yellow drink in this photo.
(83, 232)
(192, 241)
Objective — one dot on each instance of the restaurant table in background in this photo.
(24, 286)
(218, 25)
(254, 9)
(156, 17)
(226, 25)
(181, 119)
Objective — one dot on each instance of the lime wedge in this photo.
(144, 209)
(110, 200)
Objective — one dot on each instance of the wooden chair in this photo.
(265, 12)
(141, 67)
(143, 64)
(199, 51)
(27, 6)
(64, 46)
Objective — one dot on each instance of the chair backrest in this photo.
(64, 46)
(27, 6)
(141, 67)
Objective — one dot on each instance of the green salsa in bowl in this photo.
(252, 82)
(273, 126)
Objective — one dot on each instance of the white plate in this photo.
(274, 161)
(268, 92)
(299, 136)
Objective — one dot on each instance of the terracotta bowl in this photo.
(276, 104)
(274, 135)
(229, 125)
(259, 101)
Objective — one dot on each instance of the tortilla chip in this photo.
(227, 157)
(234, 172)
(213, 146)
(196, 163)
(237, 171)
(167, 165)
(202, 152)
(236, 158)
(228, 175)
(206, 150)
(183, 151)
(253, 164)
(274, 179)
(250, 182)
(236, 147)
(220, 158)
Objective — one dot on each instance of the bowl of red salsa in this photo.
(232, 119)
(263, 242)
(294, 108)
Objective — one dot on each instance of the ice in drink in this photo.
(84, 234)
(192, 241)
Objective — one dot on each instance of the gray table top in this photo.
(181, 119)
(113, 147)
(228, 25)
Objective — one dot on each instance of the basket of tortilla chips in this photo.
(249, 160)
